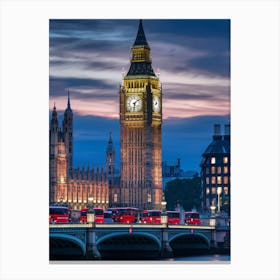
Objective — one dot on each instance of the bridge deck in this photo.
(119, 225)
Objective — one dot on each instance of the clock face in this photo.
(134, 103)
(156, 104)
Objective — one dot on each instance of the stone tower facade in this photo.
(140, 121)
(69, 185)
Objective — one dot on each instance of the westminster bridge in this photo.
(127, 241)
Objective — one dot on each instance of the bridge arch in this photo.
(184, 241)
(117, 234)
(78, 246)
(129, 245)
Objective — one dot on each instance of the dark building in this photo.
(215, 172)
(171, 169)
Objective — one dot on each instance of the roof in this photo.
(141, 68)
(219, 145)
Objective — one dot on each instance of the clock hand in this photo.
(135, 102)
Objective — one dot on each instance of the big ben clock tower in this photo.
(140, 120)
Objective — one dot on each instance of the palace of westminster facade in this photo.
(139, 183)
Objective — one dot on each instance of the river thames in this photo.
(202, 258)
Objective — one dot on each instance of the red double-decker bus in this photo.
(192, 218)
(173, 217)
(125, 215)
(151, 217)
(59, 214)
(98, 215)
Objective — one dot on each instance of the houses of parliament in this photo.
(139, 183)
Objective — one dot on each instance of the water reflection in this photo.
(202, 258)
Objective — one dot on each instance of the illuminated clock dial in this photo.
(134, 103)
(156, 104)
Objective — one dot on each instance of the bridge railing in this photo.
(217, 221)
(220, 223)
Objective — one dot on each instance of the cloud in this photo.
(86, 57)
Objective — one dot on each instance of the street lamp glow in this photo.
(163, 203)
(212, 207)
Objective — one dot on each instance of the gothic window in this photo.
(213, 160)
(213, 169)
(219, 170)
(213, 180)
(219, 180)
(225, 169)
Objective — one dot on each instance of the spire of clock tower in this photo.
(141, 63)
(140, 38)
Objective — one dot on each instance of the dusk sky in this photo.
(191, 57)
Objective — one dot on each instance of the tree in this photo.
(185, 192)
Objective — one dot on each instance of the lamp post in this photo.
(166, 250)
(92, 251)
(163, 211)
(90, 213)
(212, 218)
(219, 191)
